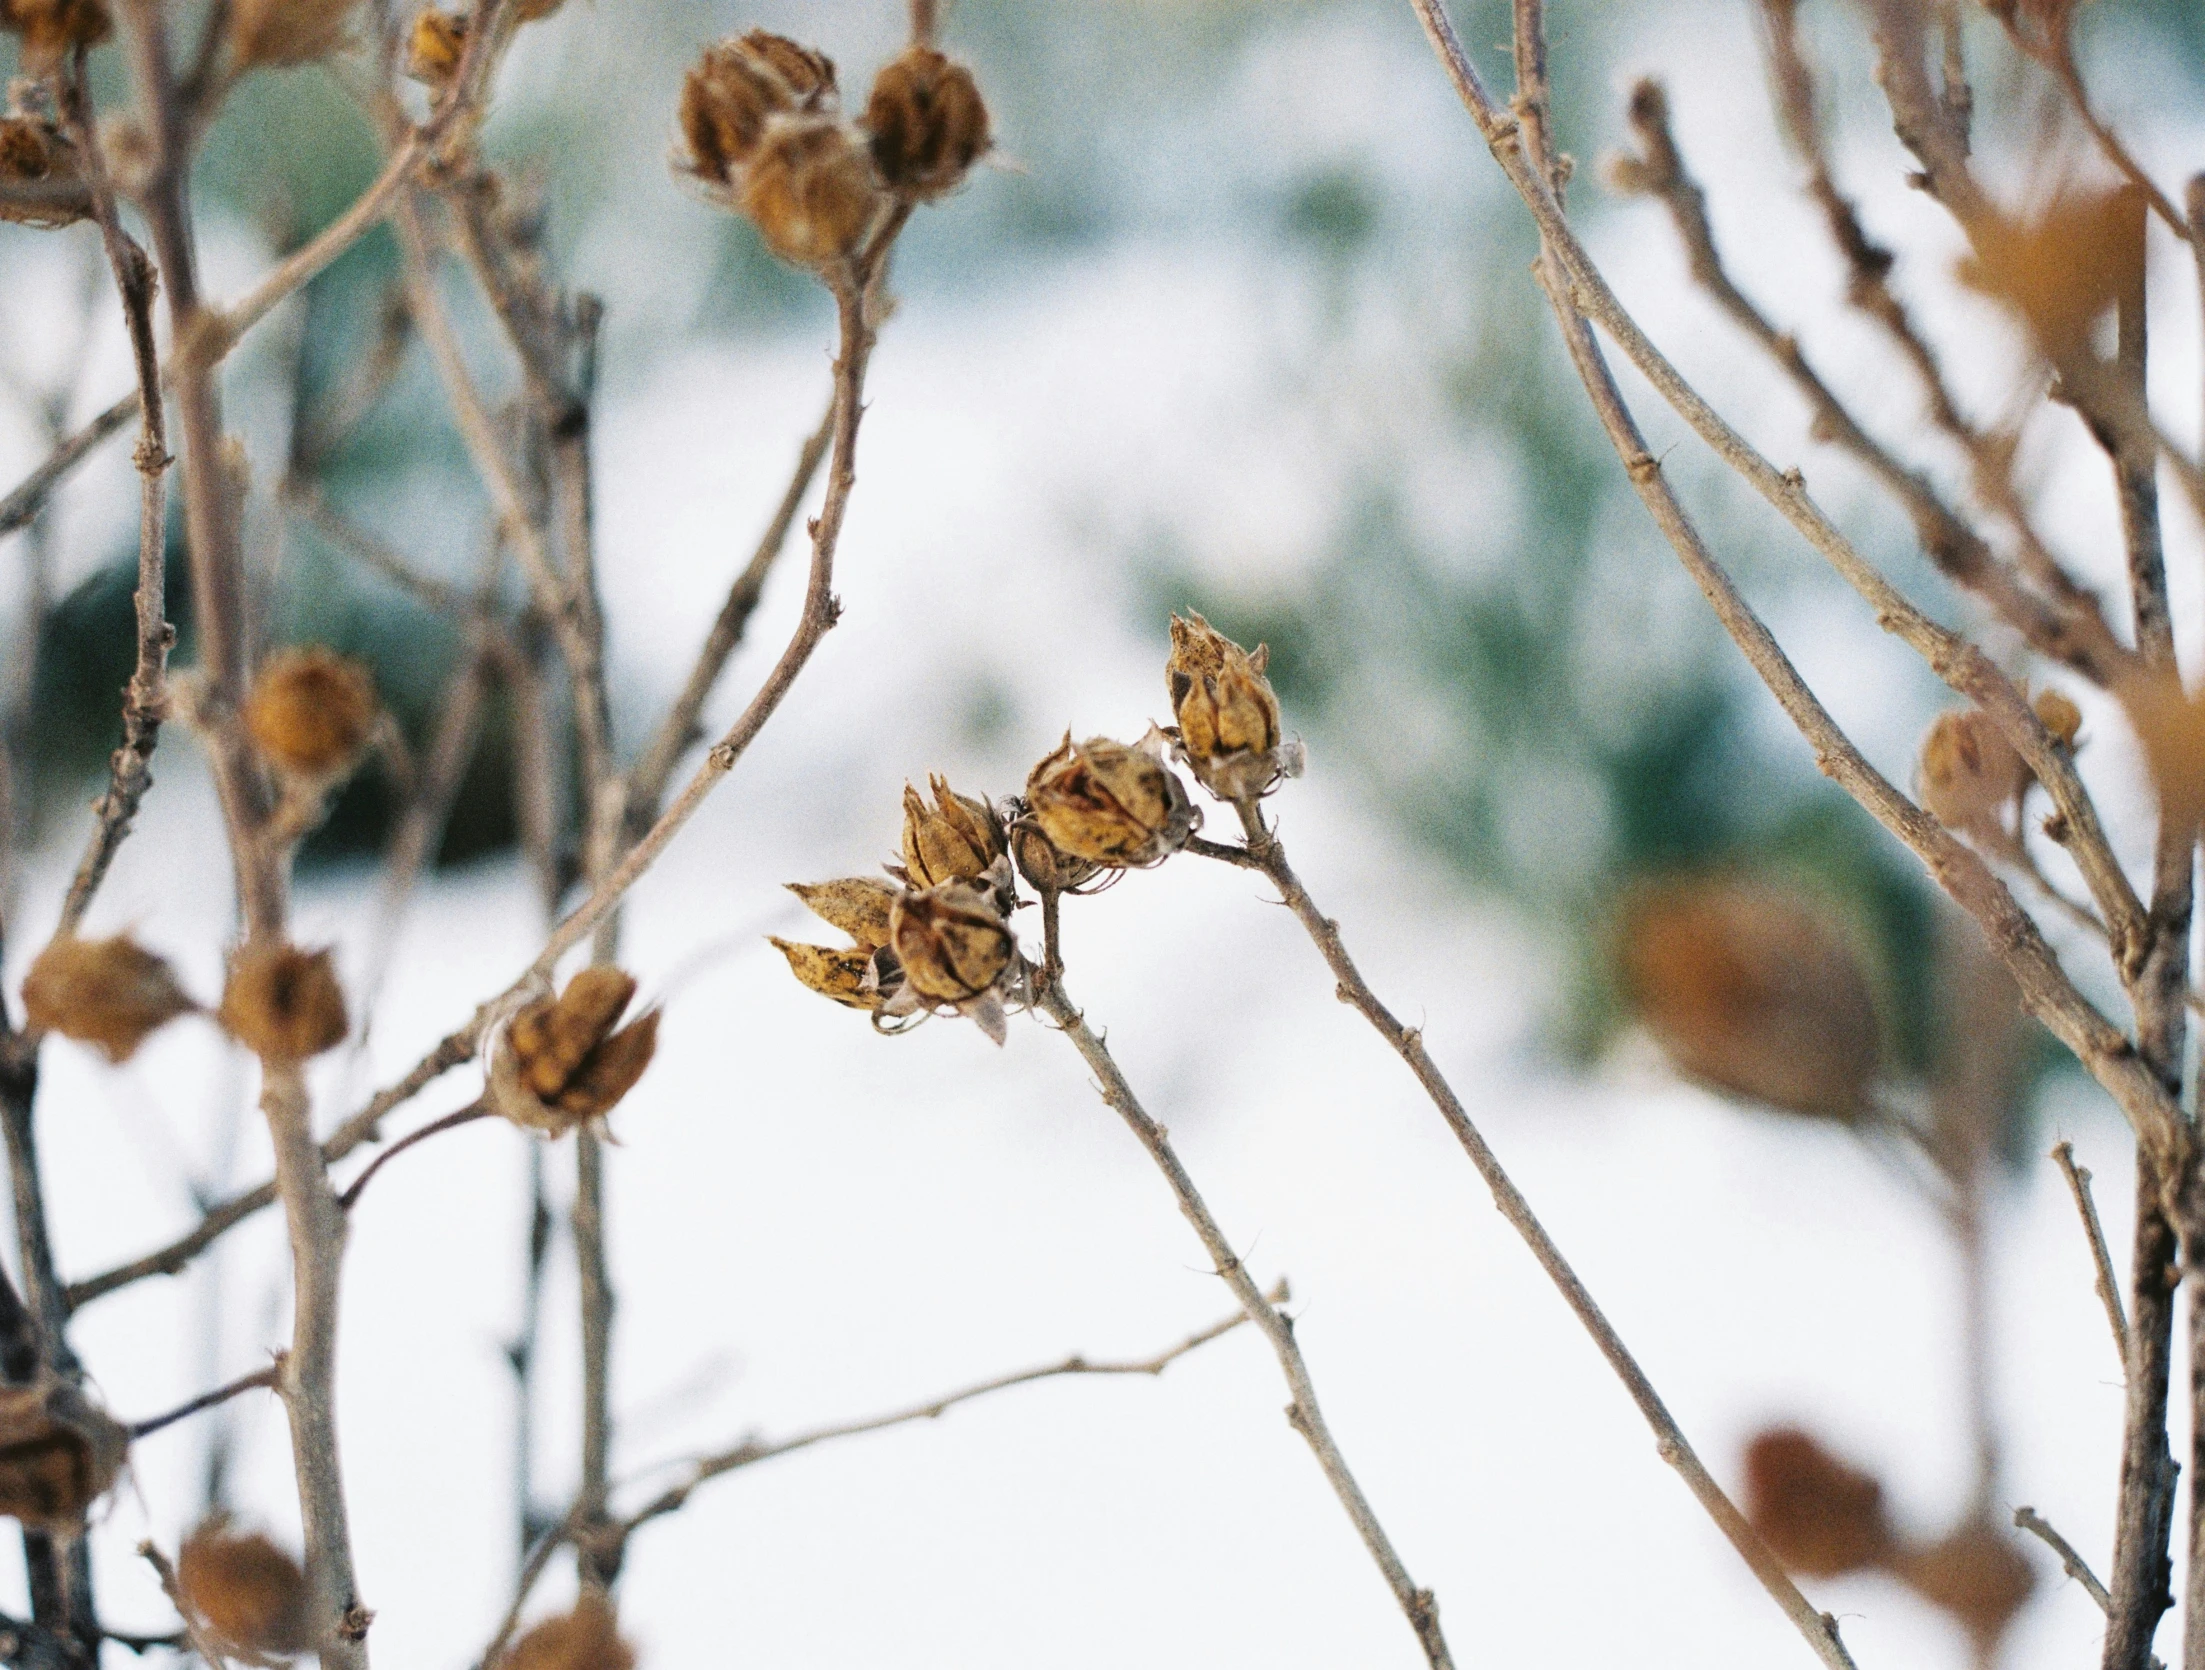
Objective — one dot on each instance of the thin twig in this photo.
(450, 1121)
(260, 1379)
(2028, 1519)
(2101, 1258)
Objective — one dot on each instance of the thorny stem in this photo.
(1819, 1628)
(1303, 1413)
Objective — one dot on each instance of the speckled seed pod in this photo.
(809, 191)
(434, 46)
(951, 943)
(274, 33)
(1819, 1516)
(957, 838)
(36, 153)
(735, 88)
(282, 1003)
(109, 993)
(858, 905)
(831, 972)
(927, 123)
(59, 1453)
(1227, 712)
(52, 29)
(1969, 774)
(1046, 869)
(311, 710)
(561, 1064)
(245, 1592)
(587, 1638)
(1108, 804)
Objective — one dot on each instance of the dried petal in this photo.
(858, 905)
(245, 1592)
(110, 993)
(1108, 804)
(839, 974)
(1819, 1516)
(282, 1003)
(951, 943)
(311, 710)
(59, 1453)
(927, 123)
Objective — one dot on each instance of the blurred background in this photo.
(1240, 319)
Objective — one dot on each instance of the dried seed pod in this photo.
(735, 88)
(1751, 988)
(245, 1592)
(282, 1003)
(1977, 1575)
(1227, 712)
(311, 710)
(858, 905)
(2063, 268)
(59, 1453)
(953, 946)
(110, 993)
(434, 46)
(560, 1064)
(2058, 714)
(2171, 726)
(1968, 773)
(958, 838)
(1108, 804)
(40, 159)
(587, 1638)
(282, 32)
(839, 974)
(52, 29)
(809, 191)
(927, 123)
(1046, 869)
(1820, 1517)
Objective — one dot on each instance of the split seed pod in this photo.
(1976, 1575)
(245, 1592)
(1108, 804)
(52, 29)
(560, 1064)
(1820, 1517)
(735, 88)
(1046, 869)
(587, 1638)
(927, 123)
(110, 993)
(283, 32)
(59, 1453)
(840, 974)
(1968, 773)
(284, 1004)
(41, 161)
(1227, 712)
(1752, 989)
(433, 48)
(957, 838)
(858, 905)
(809, 191)
(311, 710)
(952, 944)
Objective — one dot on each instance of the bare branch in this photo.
(266, 1379)
(2109, 1287)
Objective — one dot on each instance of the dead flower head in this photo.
(1968, 773)
(282, 1003)
(1751, 988)
(1820, 1517)
(245, 1592)
(434, 45)
(735, 88)
(955, 953)
(1106, 804)
(927, 123)
(277, 33)
(956, 838)
(2060, 270)
(1227, 713)
(40, 160)
(52, 29)
(561, 1064)
(809, 191)
(59, 1453)
(109, 993)
(587, 1638)
(311, 710)
(1975, 1575)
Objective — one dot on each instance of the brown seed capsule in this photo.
(2058, 714)
(52, 29)
(1109, 804)
(560, 1064)
(839, 974)
(1751, 988)
(311, 710)
(951, 943)
(245, 1592)
(2171, 726)
(1976, 1575)
(1045, 868)
(2062, 269)
(738, 85)
(1228, 713)
(282, 32)
(110, 993)
(927, 123)
(858, 905)
(282, 1003)
(587, 1638)
(809, 191)
(40, 159)
(1968, 773)
(433, 48)
(1820, 1517)
(958, 838)
(59, 1453)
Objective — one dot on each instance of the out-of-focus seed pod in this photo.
(245, 1592)
(809, 191)
(927, 123)
(2057, 713)
(110, 993)
(2170, 723)
(957, 838)
(587, 1638)
(858, 905)
(274, 33)
(1752, 989)
(839, 974)
(560, 1064)
(52, 29)
(434, 46)
(1227, 712)
(735, 88)
(59, 1453)
(38, 157)
(535, 11)
(951, 942)
(282, 1003)
(311, 710)
(1820, 1517)
(1976, 1575)
(2060, 270)
(1969, 774)
(1108, 804)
